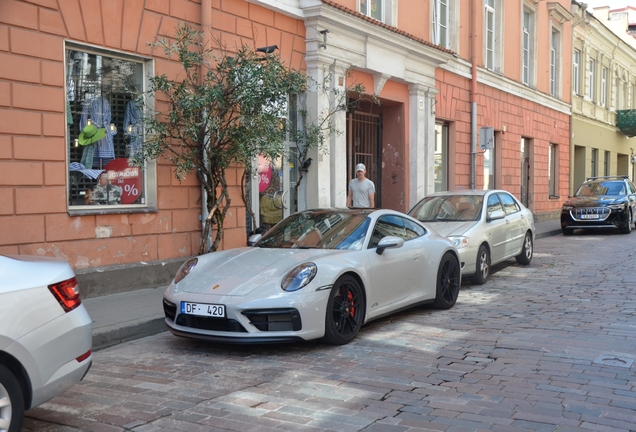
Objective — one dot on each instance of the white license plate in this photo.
(589, 216)
(203, 309)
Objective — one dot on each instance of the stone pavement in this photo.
(130, 315)
(545, 347)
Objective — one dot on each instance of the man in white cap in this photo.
(361, 190)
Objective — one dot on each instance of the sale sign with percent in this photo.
(129, 178)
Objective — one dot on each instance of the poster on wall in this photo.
(120, 173)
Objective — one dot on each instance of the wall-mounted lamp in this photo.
(89, 122)
(76, 142)
(113, 129)
(268, 49)
(324, 38)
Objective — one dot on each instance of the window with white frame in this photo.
(555, 60)
(576, 60)
(604, 87)
(440, 22)
(104, 119)
(490, 33)
(633, 96)
(382, 10)
(528, 41)
(591, 77)
(553, 170)
(613, 103)
(624, 95)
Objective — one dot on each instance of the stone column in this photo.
(421, 142)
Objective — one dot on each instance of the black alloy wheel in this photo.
(482, 270)
(345, 311)
(448, 282)
(526, 251)
(11, 402)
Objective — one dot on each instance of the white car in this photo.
(317, 274)
(45, 334)
(487, 227)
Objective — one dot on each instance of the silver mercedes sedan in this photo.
(486, 226)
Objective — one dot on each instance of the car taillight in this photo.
(67, 293)
(84, 356)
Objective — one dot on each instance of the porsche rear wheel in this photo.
(345, 311)
(11, 402)
(448, 281)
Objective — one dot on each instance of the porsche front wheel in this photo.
(448, 281)
(345, 311)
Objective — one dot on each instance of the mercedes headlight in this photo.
(299, 277)
(459, 241)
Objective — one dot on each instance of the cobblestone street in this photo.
(548, 347)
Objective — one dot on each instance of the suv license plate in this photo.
(203, 309)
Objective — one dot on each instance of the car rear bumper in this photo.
(49, 354)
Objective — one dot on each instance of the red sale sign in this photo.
(128, 178)
(264, 174)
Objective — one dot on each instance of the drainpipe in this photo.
(206, 24)
(473, 95)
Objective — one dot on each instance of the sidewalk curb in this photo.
(113, 335)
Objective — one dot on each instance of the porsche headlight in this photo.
(299, 277)
(459, 241)
(185, 269)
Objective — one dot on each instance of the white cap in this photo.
(360, 167)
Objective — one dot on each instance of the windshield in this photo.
(601, 188)
(318, 229)
(448, 208)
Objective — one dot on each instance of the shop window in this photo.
(553, 171)
(104, 133)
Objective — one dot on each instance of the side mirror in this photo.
(497, 214)
(253, 239)
(389, 242)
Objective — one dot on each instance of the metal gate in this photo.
(364, 133)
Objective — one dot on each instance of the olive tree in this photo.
(224, 108)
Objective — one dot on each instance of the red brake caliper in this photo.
(352, 309)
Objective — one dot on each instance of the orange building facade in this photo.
(441, 70)
(68, 63)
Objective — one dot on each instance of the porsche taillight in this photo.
(67, 293)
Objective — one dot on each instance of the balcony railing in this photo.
(626, 122)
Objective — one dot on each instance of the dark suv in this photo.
(601, 202)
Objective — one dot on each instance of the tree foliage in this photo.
(224, 109)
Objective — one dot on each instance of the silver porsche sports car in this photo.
(317, 274)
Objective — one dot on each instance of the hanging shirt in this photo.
(132, 127)
(98, 110)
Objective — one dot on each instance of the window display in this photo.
(104, 129)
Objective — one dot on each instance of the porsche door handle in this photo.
(416, 257)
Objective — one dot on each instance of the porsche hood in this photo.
(238, 272)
